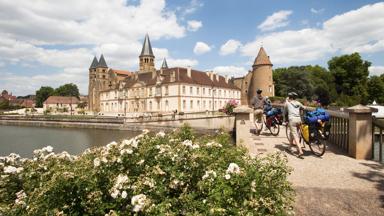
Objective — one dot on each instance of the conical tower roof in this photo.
(94, 63)
(102, 63)
(164, 65)
(147, 48)
(262, 58)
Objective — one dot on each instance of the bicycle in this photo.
(271, 122)
(316, 138)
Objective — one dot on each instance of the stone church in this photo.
(171, 89)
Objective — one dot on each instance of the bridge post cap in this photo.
(361, 109)
(242, 109)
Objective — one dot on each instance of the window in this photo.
(225, 93)
(191, 104)
(150, 105)
(219, 93)
(210, 104)
(166, 105)
(158, 91)
(166, 90)
(215, 105)
(220, 103)
(150, 91)
(183, 89)
(184, 105)
(158, 105)
(204, 104)
(203, 91)
(191, 90)
(209, 91)
(198, 104)
(197, 90)
(270, 88)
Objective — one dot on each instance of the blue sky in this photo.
(53, 42)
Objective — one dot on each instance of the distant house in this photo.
(6, 96)
(61, 103)
(27, 103)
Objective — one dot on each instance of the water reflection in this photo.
(23, 140)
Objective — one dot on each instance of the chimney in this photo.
(173, 76)
(217, 77)
(189, 71)
(226, 78)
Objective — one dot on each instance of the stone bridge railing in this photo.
(351, 129)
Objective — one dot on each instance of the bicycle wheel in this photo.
(274, 129)
(318, 146)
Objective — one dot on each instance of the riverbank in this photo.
(202, 124)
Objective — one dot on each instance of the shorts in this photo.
(258, 114)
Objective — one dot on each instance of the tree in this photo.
(376, 89)
(69, 89)
(350, 73)
(42, 94)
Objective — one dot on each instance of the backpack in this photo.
(314, 116)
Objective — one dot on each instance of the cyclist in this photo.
(258, 103)
(292, 109)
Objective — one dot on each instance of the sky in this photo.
(50, 43)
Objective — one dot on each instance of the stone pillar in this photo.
(242, 119)
(360, 131)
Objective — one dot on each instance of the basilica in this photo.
(169, 89)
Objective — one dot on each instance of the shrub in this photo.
(177, 173)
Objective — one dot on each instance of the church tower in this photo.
(147, 59)
(98, 81)
(261, 76)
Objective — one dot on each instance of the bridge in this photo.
(346, 180)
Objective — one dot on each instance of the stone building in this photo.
(150, 90)
(61, 103)
(260, 77)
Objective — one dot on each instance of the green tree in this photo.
(69, 89)
(42, 94)
(376, 89)
(350, 73)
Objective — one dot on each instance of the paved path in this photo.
(334, 184)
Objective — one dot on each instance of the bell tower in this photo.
(147, 59)
(98, 81)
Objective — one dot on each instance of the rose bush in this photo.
(175, 173)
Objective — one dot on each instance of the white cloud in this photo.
(376, 70)
(276, 20)
(231, 46)
(182, 62)
(230, 70)
(190, 8)
(345, 33)
(201, 48)
(317, 11)
(66, 35)
(194, 25)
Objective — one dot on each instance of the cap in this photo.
(259, 91)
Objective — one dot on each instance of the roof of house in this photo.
(147, 48)
(122, 72)
(165, 64)
(61, 100)
(262, 58)
(180, 76)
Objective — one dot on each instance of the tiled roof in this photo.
(262, 58)
(181, 76)
(102, 63)
(94, 63)
(122, 72)
(147, 48)
(61, 100)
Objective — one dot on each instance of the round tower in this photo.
(262, 75)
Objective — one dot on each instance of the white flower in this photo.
(195, 146)
(145, 131)
(12, 169)
(208, 173)
(20, 197)
(213, 144)
(140, 162)
(233, 168)
(138, 202)
(124, 194)
(111, 144)
(227, 176)
(96, 162)
(115, 193)
(160, 134)
(48, 149)
(187, 143)
(128, 151)
(204, 201)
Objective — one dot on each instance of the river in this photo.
(23, 140)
